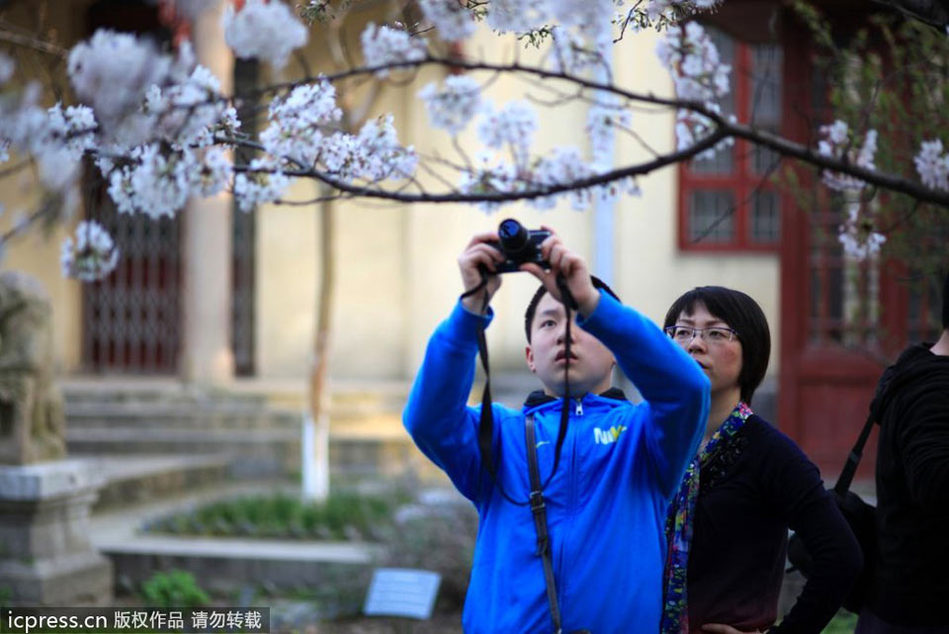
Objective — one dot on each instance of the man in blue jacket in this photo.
(606, 503)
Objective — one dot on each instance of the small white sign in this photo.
(402, 592)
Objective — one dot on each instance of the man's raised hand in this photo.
(478, 256)
(572, 267)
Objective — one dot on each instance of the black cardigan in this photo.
(751, 493)
(911, 581)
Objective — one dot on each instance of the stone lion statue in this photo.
(32, 425)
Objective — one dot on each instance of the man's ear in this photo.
(529, 355)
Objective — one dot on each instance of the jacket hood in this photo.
(916, 365)
(539, 397)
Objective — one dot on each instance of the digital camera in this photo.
(519, 246)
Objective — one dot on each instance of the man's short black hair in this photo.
(745, 316)
(532, 306)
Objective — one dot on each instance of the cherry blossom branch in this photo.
(783, 146)
(499, 197)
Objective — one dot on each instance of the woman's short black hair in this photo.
(532, 306)
(745, 316)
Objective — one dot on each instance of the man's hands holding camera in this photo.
(486, 252)
(571, 267)
(480, 256)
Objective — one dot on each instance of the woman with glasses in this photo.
(728, 525)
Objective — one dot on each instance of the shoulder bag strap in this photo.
(853, 459)
(539, 511)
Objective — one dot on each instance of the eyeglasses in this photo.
(683, 335)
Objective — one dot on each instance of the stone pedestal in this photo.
(46, 558)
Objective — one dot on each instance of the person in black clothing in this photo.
(910, 587)
(728, 525)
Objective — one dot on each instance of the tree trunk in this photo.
(315, 467)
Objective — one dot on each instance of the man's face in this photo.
(591, 363)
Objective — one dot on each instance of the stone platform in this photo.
(46, 557)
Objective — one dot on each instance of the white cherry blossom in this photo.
(214, 172)
(512, 126)
(516, 16)
(269, 31)
(91, 255)
(858, 235)
(933, 165)
(453, 105)
(300, 121)
(154, 182)
(452, 20)
(698, 75)
(111, 72)
(603, 119)
(263, 183)
(382, 45)
(838, 143)
(381, 155)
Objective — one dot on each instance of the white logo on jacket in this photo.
(607, 436)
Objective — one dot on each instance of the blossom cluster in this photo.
(858, 235)
(91, 256)
(932, 165)
(698, 75)
(383, 45)
(513, 125)
(304, 133)
(57, 138)
(563, 166)
(603, 119)
(111, 72)
(451, 19)
(837, 142)
(453, 105)
(265, 30)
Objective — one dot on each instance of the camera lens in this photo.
(513, 235)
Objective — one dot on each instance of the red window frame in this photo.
(742, 182)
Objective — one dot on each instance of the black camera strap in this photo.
(539, 511)
(486, 433)
(486, 424)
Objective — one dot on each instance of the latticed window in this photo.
(727, 201)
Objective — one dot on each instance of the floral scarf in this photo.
(675, 613)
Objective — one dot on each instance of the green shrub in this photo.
(342, 516)
(173, 589)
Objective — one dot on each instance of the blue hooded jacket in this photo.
(607, 502)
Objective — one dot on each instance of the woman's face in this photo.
(719, 356)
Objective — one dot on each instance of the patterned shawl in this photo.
(675, 613)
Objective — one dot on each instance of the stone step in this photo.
(255, 454)
(138, 417)
(132, 479)
(116, 389)
(118, 415)
(108, 415)
(225, 566)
